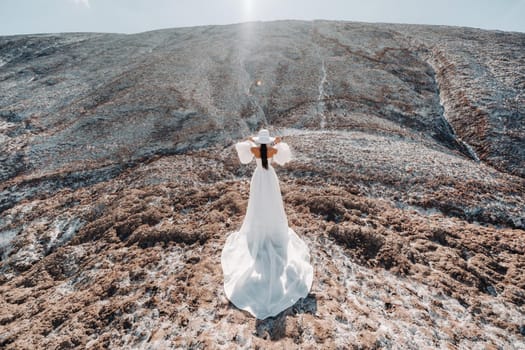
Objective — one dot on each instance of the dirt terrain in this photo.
(120, 183)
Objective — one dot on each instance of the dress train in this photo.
(266, 265)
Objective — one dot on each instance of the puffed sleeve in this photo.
(283, 155)
(244, 151)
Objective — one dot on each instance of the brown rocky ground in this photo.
(141, 266)
(120, 184)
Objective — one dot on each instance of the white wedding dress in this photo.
(266, 265)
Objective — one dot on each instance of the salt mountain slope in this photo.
(119, 184)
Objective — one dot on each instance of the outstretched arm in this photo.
(243, 151)
(283, 153)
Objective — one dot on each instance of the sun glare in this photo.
(248, 8)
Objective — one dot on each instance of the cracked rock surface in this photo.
(119, 184)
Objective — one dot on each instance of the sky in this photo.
(134, 16)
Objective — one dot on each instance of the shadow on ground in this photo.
(274, 328)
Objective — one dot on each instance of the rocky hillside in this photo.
(119, 184)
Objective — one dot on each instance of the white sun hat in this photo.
(263, 137)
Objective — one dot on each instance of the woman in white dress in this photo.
(266, 265)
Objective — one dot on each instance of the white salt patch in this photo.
(506, 311)
(169, 221)
(63, 230)
(6, 237)
(4, 126)
(26, 208)
(299, 132)
(321, 96)
(161, 343)
(68, 286)
(418, 209)
(30, 254)
(65, 288)
(90, 344)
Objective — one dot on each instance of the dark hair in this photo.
(264, 156)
